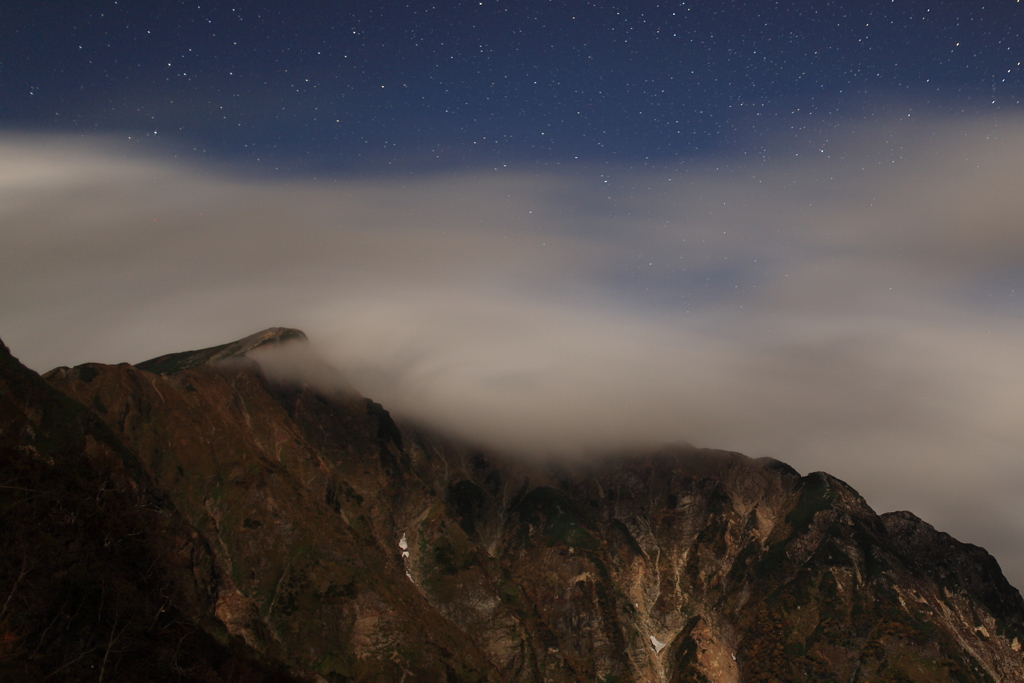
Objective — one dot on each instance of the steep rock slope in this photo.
(100, 577)
(271, 478)
(347, 547)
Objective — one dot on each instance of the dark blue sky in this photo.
(366, 87)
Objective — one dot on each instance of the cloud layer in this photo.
(854, 307)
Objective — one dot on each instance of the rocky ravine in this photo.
(281, 532)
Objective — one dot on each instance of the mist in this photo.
(853, 306)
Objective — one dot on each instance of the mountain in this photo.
(193, 518)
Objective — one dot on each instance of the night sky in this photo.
(786, 229)
(372, 87)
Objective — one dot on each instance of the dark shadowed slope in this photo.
(100, 577)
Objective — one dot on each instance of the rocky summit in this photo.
(191, 518)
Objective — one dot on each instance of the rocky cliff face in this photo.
(301, 531)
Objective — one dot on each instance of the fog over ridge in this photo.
(856, 310)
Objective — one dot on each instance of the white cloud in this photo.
(851, 314)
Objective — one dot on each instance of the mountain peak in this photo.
(223, 508)
(183, 360)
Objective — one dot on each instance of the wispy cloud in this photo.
(854, 307)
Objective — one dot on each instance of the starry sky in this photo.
(377, 87)
(789, 229)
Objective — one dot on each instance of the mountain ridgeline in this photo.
(191, 519)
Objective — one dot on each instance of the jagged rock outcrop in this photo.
(327, 540)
